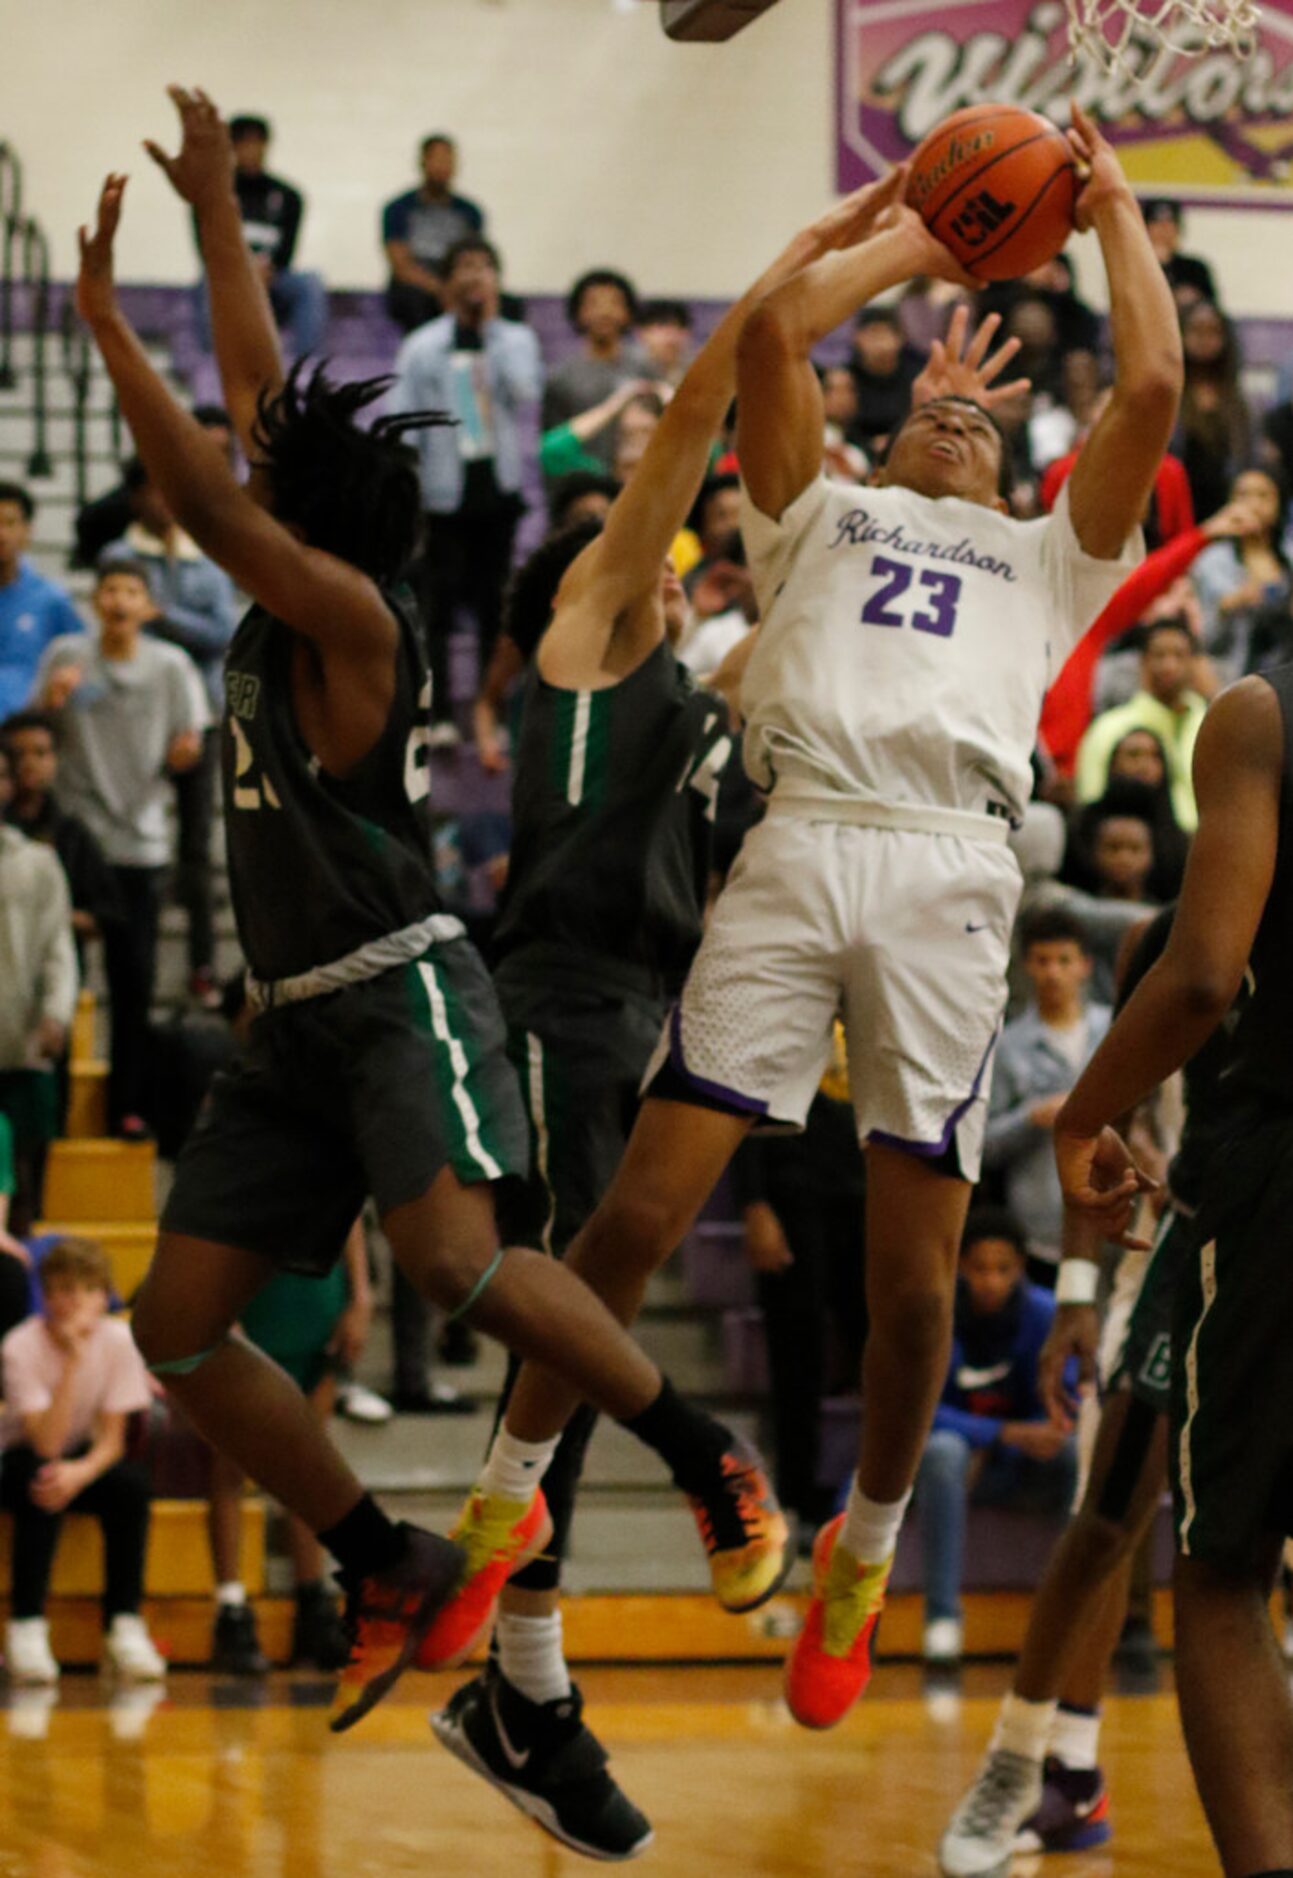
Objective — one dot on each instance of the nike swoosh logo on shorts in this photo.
(513, 1758)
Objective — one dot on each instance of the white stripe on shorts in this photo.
(1208, 1273)
(542, 1140)
(458, 1062)
(579, 747)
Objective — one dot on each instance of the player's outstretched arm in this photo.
(625, 560)
(321, 597)
(779, 402)
(1238, 762)
(1110, 486)
(242, 324)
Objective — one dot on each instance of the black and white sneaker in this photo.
(546, 1762)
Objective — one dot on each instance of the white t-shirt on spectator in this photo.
(111, 1380)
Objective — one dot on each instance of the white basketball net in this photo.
(1105, 29)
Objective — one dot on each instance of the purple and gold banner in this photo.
(1209, 128)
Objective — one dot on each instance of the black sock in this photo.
(690, 1443)
(365, 1541)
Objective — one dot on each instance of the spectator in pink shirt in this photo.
(71, 1376)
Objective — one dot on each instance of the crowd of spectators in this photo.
(108, 787)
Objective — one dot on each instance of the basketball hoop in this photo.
(1109, 32)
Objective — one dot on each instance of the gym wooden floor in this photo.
(249, 1784)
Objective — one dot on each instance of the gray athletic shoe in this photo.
(980, 1841)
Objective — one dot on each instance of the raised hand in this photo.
(203, 170)
(1101, 180)
(956, 369)
(96, 292)
(856, 216)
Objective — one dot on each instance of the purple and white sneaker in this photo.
(1073, 1815)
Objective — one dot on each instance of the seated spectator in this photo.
(1138, 776)
(663, 332)
(625, 420)
(418, 230)
(1171, 508)
(72, 1376)
(585, 495)
(1214, 433)
(308, 1326)
(1189, 277)
(884, 369)
(846, 461)
(197, 610)
(992, 1443)
(1077, 327)
(106, 519)
(31, 742)
(1118, 839)
(925, 309)
(485, 371)
(130, 716)
(601, 307)
(720, 592)
(802, 1201)
(1040, 1057)
(1244, 573)
(38, 985)
(1164, 703)
(271, 212)
(1068, 706)
(33, 610)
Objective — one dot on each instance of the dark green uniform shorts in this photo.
(1144, 1363)
(367, 1091)
(580, 1057)
(1232, 1339)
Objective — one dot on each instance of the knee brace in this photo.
(476, 1293)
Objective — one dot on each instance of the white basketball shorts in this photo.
(904, 935)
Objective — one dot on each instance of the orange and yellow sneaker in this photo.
(750, 1543)
(498, 1537)
(830, 1664)
(387, 1615)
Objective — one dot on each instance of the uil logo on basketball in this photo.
(980, 217)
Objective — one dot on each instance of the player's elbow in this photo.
(772, 335)
(1209, 986)
(1152, 394)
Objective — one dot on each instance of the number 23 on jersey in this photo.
(924, 599)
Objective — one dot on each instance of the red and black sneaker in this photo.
(387, 1615)
(750, 1543)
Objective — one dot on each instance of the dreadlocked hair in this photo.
(351, 489)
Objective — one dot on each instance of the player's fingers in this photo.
(978, 348)
(956, 333)
(159, 156)
(993, 367)
(1001, 394)
(180, 98)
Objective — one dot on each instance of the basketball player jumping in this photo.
(909, 632)
(1231, 1447)
(376, 1064)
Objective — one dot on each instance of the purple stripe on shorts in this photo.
(933, 1149)
(716, 1090)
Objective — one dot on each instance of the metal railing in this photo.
(10, 219)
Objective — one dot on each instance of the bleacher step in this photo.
(101, 1180)
(179, 1554)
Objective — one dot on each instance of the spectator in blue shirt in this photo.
(485, 372)
(418, 230)
(992, 1441)
(33, 610)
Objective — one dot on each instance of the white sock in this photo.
(1025, 1727)
(515, 1468)
(531, 1657)
(1075, 1739)
(870, 1530)
(230, 1594)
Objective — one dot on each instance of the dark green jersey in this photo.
(1263, 1059)
(318, 866)
(613, 811)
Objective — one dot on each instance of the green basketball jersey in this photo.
(613, 811)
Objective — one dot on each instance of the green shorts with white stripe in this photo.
(370, 1091)
(1232, 1332)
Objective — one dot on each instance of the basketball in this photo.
(997, 185)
